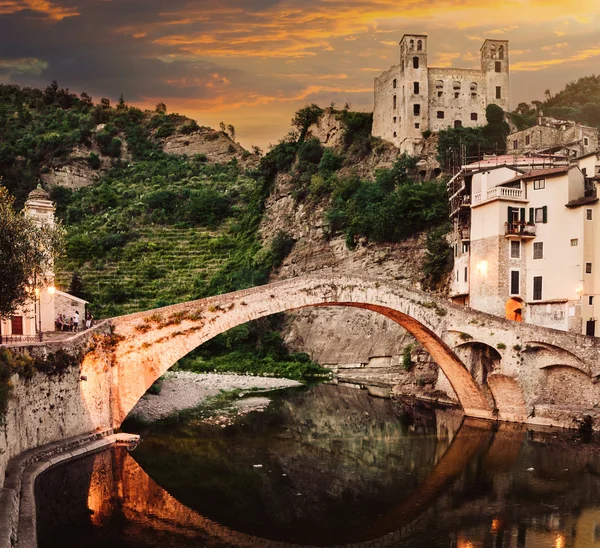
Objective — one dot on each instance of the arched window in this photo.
(419, 45)
(493, 51)
(457, 123)
(415, 62)
(473, 88)
(501, 52)
(439, 87)
(412, 44)
(456, 85)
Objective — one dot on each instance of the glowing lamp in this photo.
(51, 290)
(37, 291)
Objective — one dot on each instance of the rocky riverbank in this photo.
(185, 390)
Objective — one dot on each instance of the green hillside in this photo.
(579, 101)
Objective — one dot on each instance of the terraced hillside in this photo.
(163, 265)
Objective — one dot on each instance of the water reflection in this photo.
(338, 468)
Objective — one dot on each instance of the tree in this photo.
(27, 253)
(76, 286)
(86, 99)
(222, 127)
(305, 117)
(161, 108)
(231, 131)
(105, 102)
(121, 104)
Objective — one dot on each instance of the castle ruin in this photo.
(411, 97)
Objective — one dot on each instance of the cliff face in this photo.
(338, 336)
(215, 145)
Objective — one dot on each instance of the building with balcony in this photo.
(526, 240)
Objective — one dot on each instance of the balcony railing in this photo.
(17, 339)
(524, 230)
(499, 192)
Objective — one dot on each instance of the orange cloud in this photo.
(45, 7)
(541, 64)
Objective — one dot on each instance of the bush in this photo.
(438, 259)
(330, 162)
(94, 161)
(189, 127)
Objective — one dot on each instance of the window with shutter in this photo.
(537, 288)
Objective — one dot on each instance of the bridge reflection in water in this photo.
(481, 488)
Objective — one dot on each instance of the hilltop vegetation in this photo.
(579, 101)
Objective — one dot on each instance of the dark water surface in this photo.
(330, 466)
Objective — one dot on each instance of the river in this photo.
(330, 466)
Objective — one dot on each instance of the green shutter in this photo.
(522, 215)
(509, 214)
(531, 216)
(545, 213)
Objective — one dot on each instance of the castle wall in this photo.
(468, 108)
(575, 139)
(384, 113)
(432, 99)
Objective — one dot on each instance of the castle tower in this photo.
(494, 64)
(414, 94)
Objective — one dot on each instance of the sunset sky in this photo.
(253, 63)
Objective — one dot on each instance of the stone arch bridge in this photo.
(531, 374)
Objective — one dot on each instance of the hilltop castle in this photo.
(411, 97)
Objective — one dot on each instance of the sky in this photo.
(253, 63)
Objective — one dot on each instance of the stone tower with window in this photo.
(414, 87)
(412, 97)
(494, 63)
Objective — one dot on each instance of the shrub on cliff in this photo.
(388, 210)
(438, 259)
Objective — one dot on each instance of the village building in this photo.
(38, 316)
(526, 240)
(412, 98)
(554, 136)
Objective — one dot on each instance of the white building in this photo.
(39, 314)
(412, 97)
(526, 240)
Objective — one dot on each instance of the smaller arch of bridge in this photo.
(551, 354)
(150, 343)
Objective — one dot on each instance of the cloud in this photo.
(502, 31)
(29, 65)
(562, 45)
(42, 7)
(537, 65)
(444, 60)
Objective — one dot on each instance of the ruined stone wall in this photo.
(386, 118)
(540, 137)
(468, 108)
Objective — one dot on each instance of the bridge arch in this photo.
(147, 344)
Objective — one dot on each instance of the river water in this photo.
(330, 466)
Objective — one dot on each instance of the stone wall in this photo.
(49, 408)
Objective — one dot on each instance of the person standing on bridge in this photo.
(76, 321)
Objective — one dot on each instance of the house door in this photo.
(17, 325)
(590, 328)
